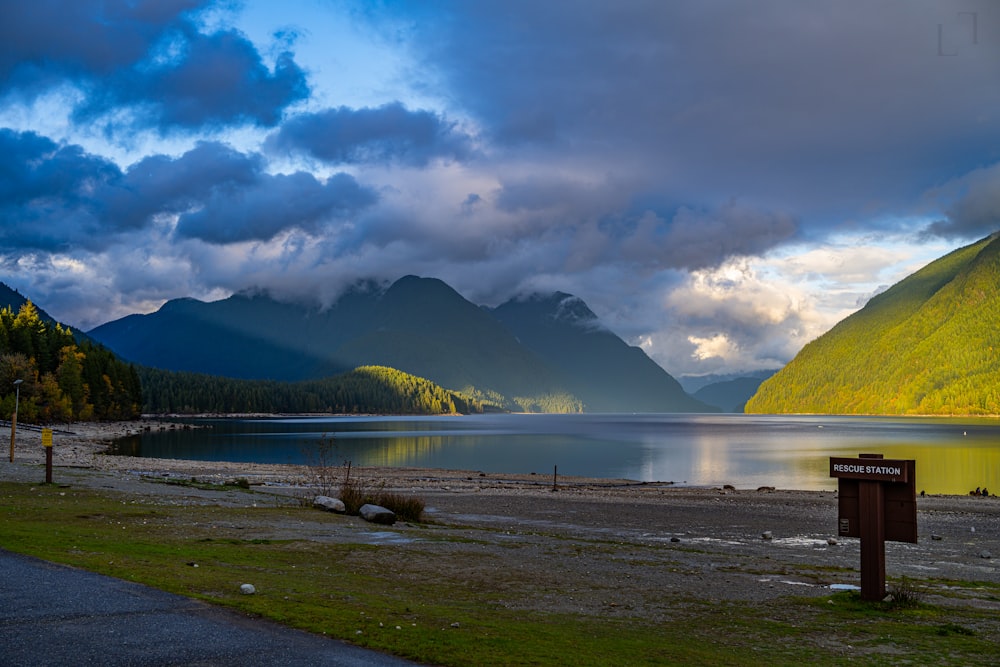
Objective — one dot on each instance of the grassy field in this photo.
(413, 602)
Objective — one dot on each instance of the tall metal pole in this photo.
(13, 421)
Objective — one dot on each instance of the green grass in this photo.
(450, 606)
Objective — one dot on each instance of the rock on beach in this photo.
(377, 514)
(329, 504)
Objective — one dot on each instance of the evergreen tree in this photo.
(62, 380)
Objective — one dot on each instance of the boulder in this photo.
(247, 589)
(329, 504)
(377, 514)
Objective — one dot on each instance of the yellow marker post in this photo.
(47, 443)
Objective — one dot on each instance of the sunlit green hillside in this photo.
(928, 345)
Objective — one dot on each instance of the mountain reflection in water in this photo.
(747, 451)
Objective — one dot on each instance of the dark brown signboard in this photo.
(876, 501)
(899, 511)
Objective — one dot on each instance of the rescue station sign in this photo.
(875, 470)
(876, 501)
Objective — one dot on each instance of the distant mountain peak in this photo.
(558, 307)
(573, 309)
(180, 304)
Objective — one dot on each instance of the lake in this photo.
(747, 451)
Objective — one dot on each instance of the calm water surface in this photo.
(952, 455)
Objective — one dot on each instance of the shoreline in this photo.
(732, 544)
(83, 445)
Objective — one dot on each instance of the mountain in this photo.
(425, 328)
(729, 395)
(607, 374)
(929, 345)
(417, 325)
(692, 383)
(13, 299)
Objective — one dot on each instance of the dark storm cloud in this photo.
(217, 79)
(148, 57)
(51, 195)
(606, 230)
(161, 184)
(273, 204)
(975, 212)
(697, 239)
(43, 39)
(223, 196)
(55, 198)
(830, 110)
(389, 133)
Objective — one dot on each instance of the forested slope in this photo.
(62, 380)
(369, 389)
(929, 345)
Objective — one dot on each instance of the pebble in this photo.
(766, 535)
(247, 589)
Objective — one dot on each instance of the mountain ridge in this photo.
(546, 323)
(420, 326)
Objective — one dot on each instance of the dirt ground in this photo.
(607, 546)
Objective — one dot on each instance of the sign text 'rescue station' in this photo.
(878, 470)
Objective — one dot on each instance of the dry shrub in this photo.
(354, 493)
(904, 593)
(325, 472)
(328, 477)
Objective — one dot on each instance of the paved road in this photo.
(56, 615)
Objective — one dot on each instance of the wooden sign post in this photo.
(47, 443)
(877, 501)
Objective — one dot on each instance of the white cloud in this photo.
(757, 312)
(718, 346)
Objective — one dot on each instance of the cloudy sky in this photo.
(720, 181)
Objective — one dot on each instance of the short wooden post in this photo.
(872, 528)
(47, 443)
